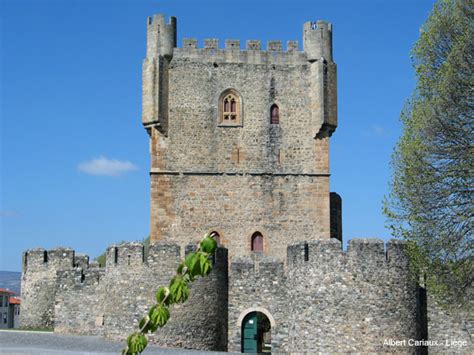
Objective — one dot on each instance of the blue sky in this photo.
(74, 156)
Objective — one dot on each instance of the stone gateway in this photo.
(239, 144)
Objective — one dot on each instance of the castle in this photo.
(239, 144)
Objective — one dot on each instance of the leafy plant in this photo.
(195, 265)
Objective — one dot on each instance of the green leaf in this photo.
(159, 315)
(161, 295)
(180, 268)
(208, 245)
(137, 343)
(192, 263)
(179, 290)
(205, 265)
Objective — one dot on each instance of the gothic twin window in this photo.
(230, 108)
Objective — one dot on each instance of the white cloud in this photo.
(104, 166)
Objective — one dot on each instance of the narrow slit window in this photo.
(257, 242)
(274, 114)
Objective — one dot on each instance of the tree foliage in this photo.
(431, 198)
(195, 265)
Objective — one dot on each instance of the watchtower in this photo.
(239, 138)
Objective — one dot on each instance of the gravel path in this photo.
(45, 343)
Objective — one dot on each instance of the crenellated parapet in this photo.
(317, 40)
(366, 292)
(79, 301)
(258, 282)
(39, 282)
(63, 289)
(326, 296)
(252, 54)
(40, 260)
(161, 36)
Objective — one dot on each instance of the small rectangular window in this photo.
(1, 301)
(5, 317)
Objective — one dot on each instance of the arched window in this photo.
(274, 114)
(257, 242)
(230, 108)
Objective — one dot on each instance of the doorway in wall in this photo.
(256, 333)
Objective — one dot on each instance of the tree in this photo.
(431, 198)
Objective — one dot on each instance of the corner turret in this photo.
(161, 36)
(317, 40)
(317, 45)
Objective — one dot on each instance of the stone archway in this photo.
(256, 325)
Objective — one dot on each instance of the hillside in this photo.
(11, 280)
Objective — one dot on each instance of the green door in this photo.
(249, 333)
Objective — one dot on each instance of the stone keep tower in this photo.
(239, 139)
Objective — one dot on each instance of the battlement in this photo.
(161, 36)
(79, 277)
(234, 45)
(37, 259)
(317, 40)
(233, 53)
(363, 251)
(161, 41)
(134, 254)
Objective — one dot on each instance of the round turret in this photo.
(161, 36)
(317, 40)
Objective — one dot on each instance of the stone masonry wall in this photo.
(350, 301)
(450, 331)
(282, 208)
(328, 300)
(258, 283)
(194, 157)
(201, 322)
(79, 304)
(76, 297)
(131, 279)
(38, 284)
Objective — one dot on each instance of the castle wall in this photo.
(75, 297)
(79, 303)
(131, 279)
(201, 322)
(350, 302)
(38, 284)
(329, 300)
(259, 284)
(450, 331)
